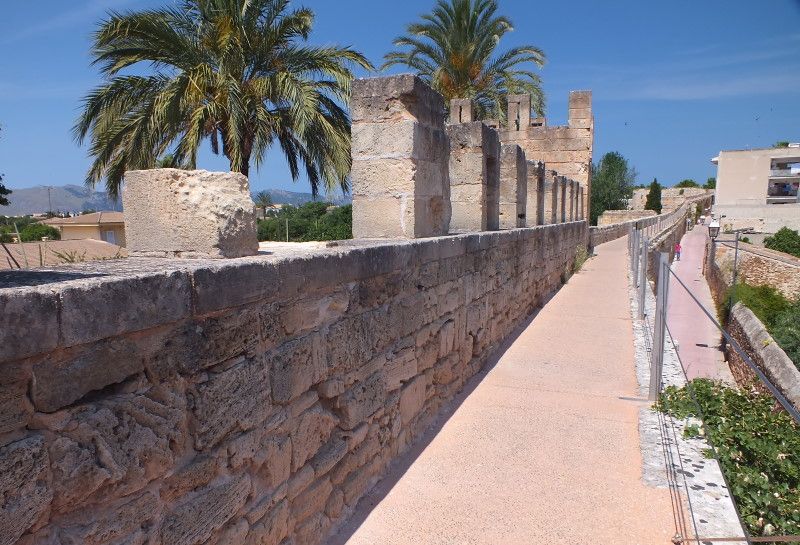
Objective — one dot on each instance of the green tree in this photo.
(612, 184)
(781, 144)
(653, 201)
(687, 183)
(237, 72)
(310, 221)
(263, 200)
(455, 49)
(711, 183)
(785, 240)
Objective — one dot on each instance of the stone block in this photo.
(295, 367)
(122, 521)
(139, 302)
(15, 409)
(312, 500)
(363, 399)
(462, 110)
(513, 187)
(189, 213)
(272, 528)
(412, 399)
(37, 309)
(519, 112)
(311, 430)
(117, 446)
(400, 159)
(234, 399)
(474, 177)
(197, 519)
(25, 487)
(580, 99)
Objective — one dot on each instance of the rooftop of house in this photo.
(57, 252)
(95, 218)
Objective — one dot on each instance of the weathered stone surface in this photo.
(15, 409)
(312, 500)
(18, 308)
(328, 456)
(296, 366)
(412, 399)
(234, 399)
(272, 528)
(139, 303)
(130, 518)
(25, 488)
(116, 447)
(194, 522)
(183, 213)
(361, 400)
(197, 474)
(313, 429)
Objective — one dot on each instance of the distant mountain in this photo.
(65, 198)
(77, 198)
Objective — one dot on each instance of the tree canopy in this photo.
(239, 73)
(687, 183)
(785, 240)
(310, 221)
(711, 183)
(612, 184)
(455, 49)
(653, 201)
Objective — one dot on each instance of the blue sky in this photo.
(673, 82)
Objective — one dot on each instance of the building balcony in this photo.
(782, 200)
(783, 173)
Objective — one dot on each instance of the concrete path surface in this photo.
(697, 337)
(544, 449)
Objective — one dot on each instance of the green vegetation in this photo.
(779, 315)
(687, 183)
(711, 183)
(757, 447)
(653, 201)
(29, 229)
(612, 184)
(581, 257)
(454, 49)
(781, 144)
(310, 221)
(34, 232)
(785, 240)
(239, 73)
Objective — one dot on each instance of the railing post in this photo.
(643, 279)
(659, 330)
(637, 236)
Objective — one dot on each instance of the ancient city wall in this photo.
(759, 267)
(250, 400)
(611, 217)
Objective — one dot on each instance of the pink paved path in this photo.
(698, 339)
(543, 450)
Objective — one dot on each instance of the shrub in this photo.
(687, 183)
(758, 449)
(785, 240)
(35, 231)
(766, 302)
(786, 331)
(653, 201)
(310, 221)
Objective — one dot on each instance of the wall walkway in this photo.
(544, 449)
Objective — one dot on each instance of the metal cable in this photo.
(788, 407)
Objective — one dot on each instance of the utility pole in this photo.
(49, 199)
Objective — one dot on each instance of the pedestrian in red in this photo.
(677, 251)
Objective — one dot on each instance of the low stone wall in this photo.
(248, 401)
(655, 224)
(760, 267)
(611, 217)
(759, 345)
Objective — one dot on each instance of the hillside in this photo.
(76, 198)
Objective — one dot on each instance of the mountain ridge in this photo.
(77, 198)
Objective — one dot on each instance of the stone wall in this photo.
(765, 353)
(611, 217)
(250, 401)
(671, 197)
(759, 267)
(566, 149)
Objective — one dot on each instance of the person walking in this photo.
(677, 251)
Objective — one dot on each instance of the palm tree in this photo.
(237, 72)
(263, 201)
(454, 49)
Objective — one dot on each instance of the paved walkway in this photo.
(544, 449)
(698, 339)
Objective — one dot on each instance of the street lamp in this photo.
(713, 229)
